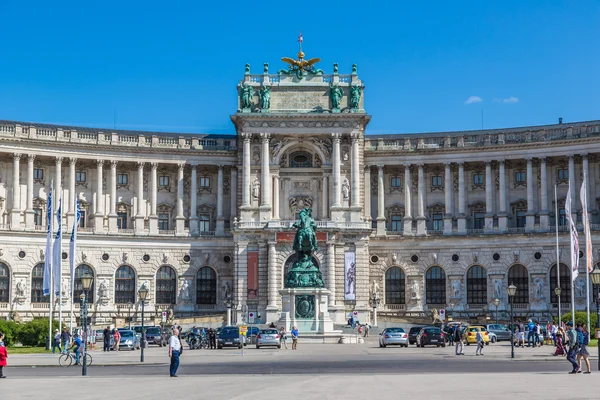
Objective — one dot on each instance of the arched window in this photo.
(517, 275)
(435, 286)
(565, 284)
(206, 286)
(395, 286)
(4, 283)
(37, 285)
(124, 285)
(166, 285)
(476, 285)
(78, 287)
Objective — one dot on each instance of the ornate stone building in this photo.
(442, 220)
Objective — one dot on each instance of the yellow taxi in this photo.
(470, 334)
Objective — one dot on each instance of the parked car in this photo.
(155, 336)
(412, 334)
(493, 337)
(430, 335)
(268, 337)
(501, 332)
(229, 337)
(129, 340)
(393, 336)
(470, 334)
(251, 334)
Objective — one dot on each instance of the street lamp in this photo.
(512, 290)
(86, 283)
(496, 303)
(557, 292)
(374, 304)
(143, 293)
(595, 276)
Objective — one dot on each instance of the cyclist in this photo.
(76, 347)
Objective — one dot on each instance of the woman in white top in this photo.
(174, 352)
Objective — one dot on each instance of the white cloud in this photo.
(511, 99)
(473, 99)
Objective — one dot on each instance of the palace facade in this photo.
(432, 220)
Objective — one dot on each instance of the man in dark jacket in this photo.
(106, 336)
(212, 338)
(458, 339)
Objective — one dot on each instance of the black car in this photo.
(431, 335)
(229, 337)
(412, 334)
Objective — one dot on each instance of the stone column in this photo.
(71, 215)
(489, 206)
(29, 214)
(502, 215)
(325, 198)
(220, 218)
(331, 272)
(194, 201)
(58, 185)
(265, 172)
(448, 199)
(337, 184)
(462, 217)
(367, 193)
(407, 221)
(180, 219)
(141, 209)
(153, 196)
(15, 213)
(530, 216)
(112, 216)
(380, 202)
(99, 216)
(272, 284)
(355, 177)
(544, 213)
(276, 196)
(421, 220)
(246, 170)
(586, 178)
(234, 186)
(572, 187)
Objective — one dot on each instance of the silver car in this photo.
(393, 336)
(129, 340)
(501, 331)
(268, 337)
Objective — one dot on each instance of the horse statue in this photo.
(304, 272)
(305, 241)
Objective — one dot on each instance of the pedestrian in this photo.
(212, 336)
(458, 340)
(76, 347)
(175, 350)
(480, 343)
(366, 330)
(360, 330)
(56, 341)
(106, 336)
(554, 330)
(572, 352)
(351, 322)
(65, 338)
(117, 339)
(520, 338)
(560, 347)
(294, 338)
(538, 335)
(583, 340)
(3, 355)
(282, 337)
(531, 334)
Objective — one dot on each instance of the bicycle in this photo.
(66, 359)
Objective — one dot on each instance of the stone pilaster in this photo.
(112, 216)
(502, 215)
(462, 217)
(220, 217)
(407, 220)
(530, 216)
(29, 214)
(15, 212)
(448, 199)
(421, 220)
(153, 220)
(99, 216)
(544, 213)
(489, 205)
(141, 209)
(180, 219)
(380, 202)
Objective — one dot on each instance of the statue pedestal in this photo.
(306, 308)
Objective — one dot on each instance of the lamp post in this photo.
(374, 304)
(129, 305)
(512, 290)
(228, 303)
(86, 283)
(496, 303)
(595, 276)
(143, 293)
(557, 292)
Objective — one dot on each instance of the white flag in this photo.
(48, 254)
(73, 243)
(57, 251)
(574, 237)
(589, 255)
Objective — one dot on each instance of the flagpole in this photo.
(60, 294)
(573, 260)
(588, 245)
(48, 257)
(557, 255)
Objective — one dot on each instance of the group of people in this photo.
(283, 337)
(107, 334)
(577, 341)
(457, 338)
(61, 340)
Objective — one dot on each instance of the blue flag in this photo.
(48, 254)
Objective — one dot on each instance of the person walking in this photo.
(480, 342)
(65, 338)
(117, 339)
(458, 340)
(366, 330)
(572, 353)
(56, 341)
(282, 337)
(106, 336)
(538, 335)
(175, 350)
(294, 338)
(583, 340)
(3, 355)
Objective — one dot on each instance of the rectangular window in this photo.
(478, 179)
(122, 220)
(38, 174)
(436, 181)
(82, 219)
(80, 177)
(204, 223)
(478, 220)
(122, 179)
(562, 217)
(563, 174)
(520, 177)
(438, 221)
(521, 219)
(37, 216)
(204, 182)
(396, 182)
(163, 181)
(396, 223)
(163, 222)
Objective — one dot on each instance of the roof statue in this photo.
(300, 67)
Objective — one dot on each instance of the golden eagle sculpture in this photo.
(300, 67)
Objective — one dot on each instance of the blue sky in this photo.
(174, 66)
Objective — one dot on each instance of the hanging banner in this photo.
(349, 276)
(252, 274)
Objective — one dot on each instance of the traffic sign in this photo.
(164, 317)
(243, 330)
(251, 316)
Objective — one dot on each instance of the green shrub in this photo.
(10, 329)
(34, 332)
(581, 317)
